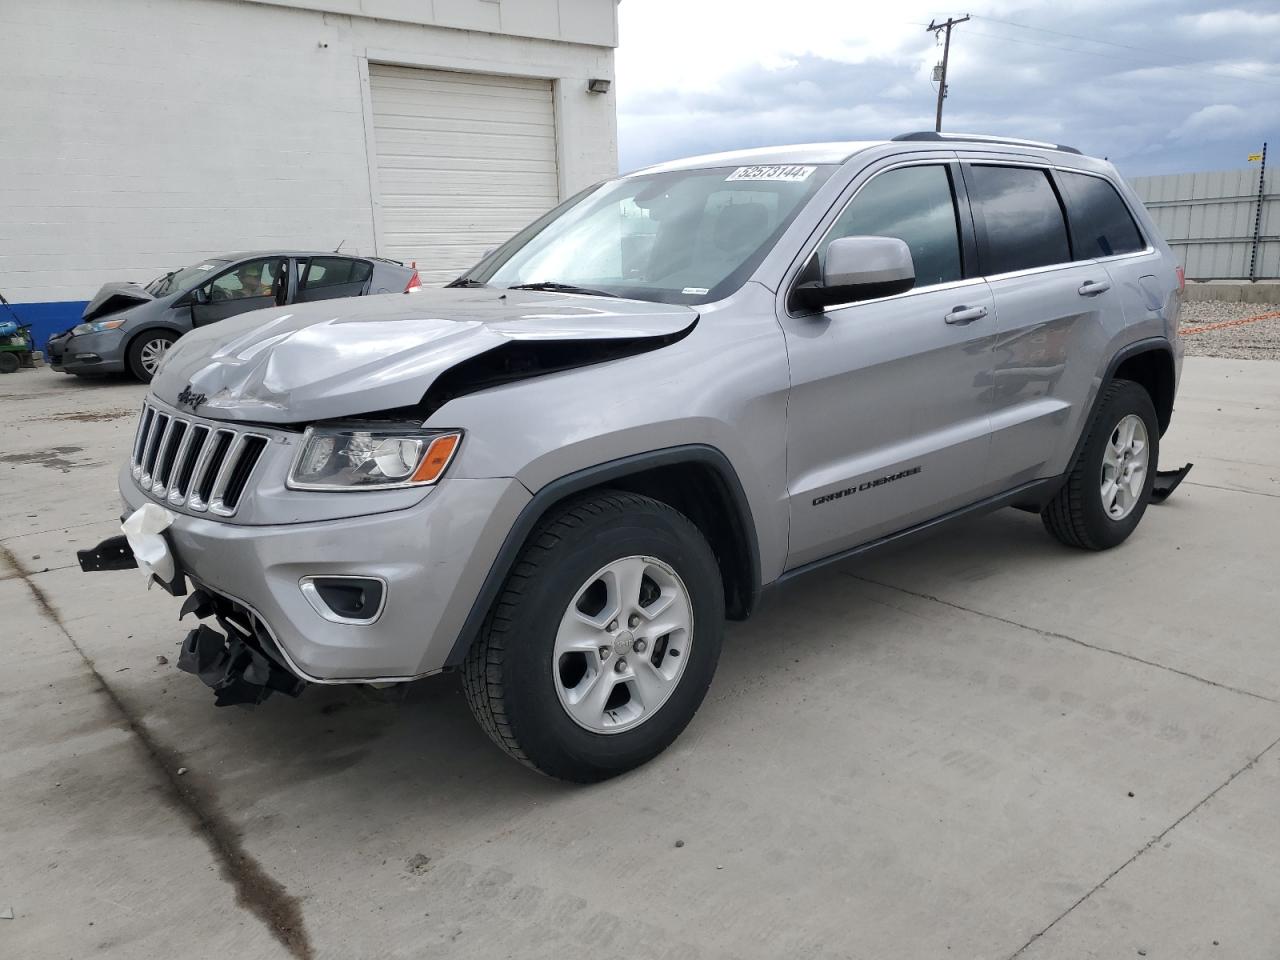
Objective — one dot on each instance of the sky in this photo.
(1156, 86)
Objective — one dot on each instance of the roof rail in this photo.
(985, 138)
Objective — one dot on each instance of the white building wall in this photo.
(140, 135)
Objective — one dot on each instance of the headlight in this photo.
(96, 326)
(371, 458)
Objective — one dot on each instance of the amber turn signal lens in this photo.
(437, 458)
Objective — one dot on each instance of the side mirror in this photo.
(200, 295)
(857, 268)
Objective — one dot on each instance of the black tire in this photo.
(9, 362)
(1077, 516)
(509, 672)
(134, 358)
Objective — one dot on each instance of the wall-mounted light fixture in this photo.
(598, 85)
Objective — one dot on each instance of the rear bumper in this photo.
(432, 557)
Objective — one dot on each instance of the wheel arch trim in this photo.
(547, 496)
(1130, 350)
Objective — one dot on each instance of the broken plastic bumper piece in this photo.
(234, 671)
(1167, 481)
(237, 666)
(114, 553)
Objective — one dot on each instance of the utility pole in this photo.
(1257, 217)
(935, 29)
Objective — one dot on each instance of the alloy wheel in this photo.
(1124, 467)
(623, 644)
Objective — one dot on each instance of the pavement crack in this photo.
(1145, 847)
(1054, 635)
(1218, 486)
(256, 890)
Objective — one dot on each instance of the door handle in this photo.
(963, 315)
(1091, 288)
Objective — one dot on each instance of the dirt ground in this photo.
(1247, 338)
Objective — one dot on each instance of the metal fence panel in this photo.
(1208, 220)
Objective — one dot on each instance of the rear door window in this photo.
(327, 278)
(916, 205)
(1021, 221)
(1101, 224)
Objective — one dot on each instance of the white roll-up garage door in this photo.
(464, 161)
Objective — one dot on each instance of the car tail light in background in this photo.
(1182, 278)
(414, 283)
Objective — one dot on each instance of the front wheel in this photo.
(604, 640)
(146, 351)
(1109, 486)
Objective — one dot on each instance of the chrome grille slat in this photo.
(159, 425)
(190, 454)
(217, 453)
(140, 439)
(155, 461)
(175, 459)
(224, 474)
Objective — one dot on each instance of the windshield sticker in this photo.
(695, 291)
(792, 173)
(205, 266)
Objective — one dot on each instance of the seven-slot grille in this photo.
(195, 464)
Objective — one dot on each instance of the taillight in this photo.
(1182, 278)
(414, 283)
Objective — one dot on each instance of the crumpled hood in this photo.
(114, 297)
(340, 358)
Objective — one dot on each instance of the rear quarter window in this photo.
(1021, 218)
(1101, 224)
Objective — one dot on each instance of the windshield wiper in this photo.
(561, 288)
(466, 282)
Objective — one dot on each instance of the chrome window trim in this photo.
(312, 593)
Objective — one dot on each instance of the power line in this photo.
(1165, 64)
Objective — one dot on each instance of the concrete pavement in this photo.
(986, 745)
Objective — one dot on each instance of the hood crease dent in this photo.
(341, 358)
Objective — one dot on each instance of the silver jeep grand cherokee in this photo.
(560, 474)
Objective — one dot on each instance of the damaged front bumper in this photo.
(241, 665)
(277, 590)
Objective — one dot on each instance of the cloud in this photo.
(1174, 85)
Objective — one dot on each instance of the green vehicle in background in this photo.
(15, 341)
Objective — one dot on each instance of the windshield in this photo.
(688, 236)
(179, 280)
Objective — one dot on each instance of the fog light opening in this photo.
(346, 599)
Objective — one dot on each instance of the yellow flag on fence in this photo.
(1254, 157)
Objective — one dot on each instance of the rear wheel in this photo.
(9, 362)
(146, 351)
(604, 640)
(1107, 491)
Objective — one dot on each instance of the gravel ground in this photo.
(1248, 341)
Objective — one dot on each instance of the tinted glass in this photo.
(329, 271)
(1100, 222)
(1024, 225)
(914, 204)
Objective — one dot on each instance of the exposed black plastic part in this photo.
(235, 671)
(114, 553)
(199, 603)
(1166, 482)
